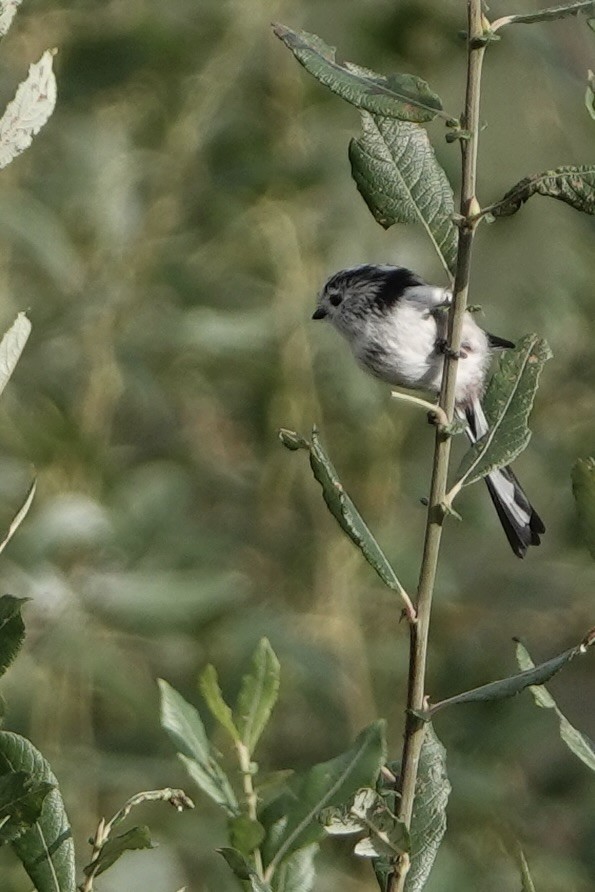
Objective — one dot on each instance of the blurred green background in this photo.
(167, 232)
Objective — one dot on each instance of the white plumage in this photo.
(395, 324)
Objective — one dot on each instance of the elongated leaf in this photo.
(528, 884)
(428, 821)
(507, 404)
(295, 815)
(11, 347)
(572, 185)
(12, 629)
(238, 863)
(577, 742)
(258, 695)
(209, 688)
(116, 846)
(590, 94)
(583, 487)
(21, 803)
(31, 107)
(402, 96)
(183, 724)
(243, 869)
(8, 9)
(509, 687)
(45, 850)
(550, 14)
(19, 516)
(343, 509)
(296, 874)
(399, 178)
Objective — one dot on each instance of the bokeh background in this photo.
(167, 232)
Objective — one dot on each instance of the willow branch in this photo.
(419, 632)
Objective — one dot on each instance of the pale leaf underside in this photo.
(29, 110)
(8, 9)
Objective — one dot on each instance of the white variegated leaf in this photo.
(11, 347)
(7, 12)
(29, 110)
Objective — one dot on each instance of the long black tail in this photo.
(521, 523)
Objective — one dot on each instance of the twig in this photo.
(177, 798)
(419, 632)
(247, 769)
(431, 408)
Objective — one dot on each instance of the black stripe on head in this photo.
(394, 283)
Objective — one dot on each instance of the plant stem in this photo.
(251, 796)
(419, 632)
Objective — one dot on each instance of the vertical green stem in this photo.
(419, 631)
(245, 761)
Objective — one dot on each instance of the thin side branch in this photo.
(419, 632)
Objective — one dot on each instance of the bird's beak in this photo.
(319, 313)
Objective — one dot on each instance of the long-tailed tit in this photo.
(392, 321)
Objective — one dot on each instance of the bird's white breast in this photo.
(400, 348)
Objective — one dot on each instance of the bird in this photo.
(392, 320)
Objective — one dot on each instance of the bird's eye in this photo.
(335, 299)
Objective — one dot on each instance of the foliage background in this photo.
(168, 231)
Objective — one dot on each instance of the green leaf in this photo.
(21, 803)
(572, 185)
(343, 509)
(399, 178)
(209, 688)
(243, 869)
(583, 487)
(297, 873)
(428, 821)
(329, 783)
(45, 850)
(12, 629)
(11, 347)
(258, 695)
(509, 687)
(550, 14)
(133, 839)
(578, 743)
(507, 404)
(590, 94)
(245, 834)
(238, 863)
(183, 724)
(402, 96)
